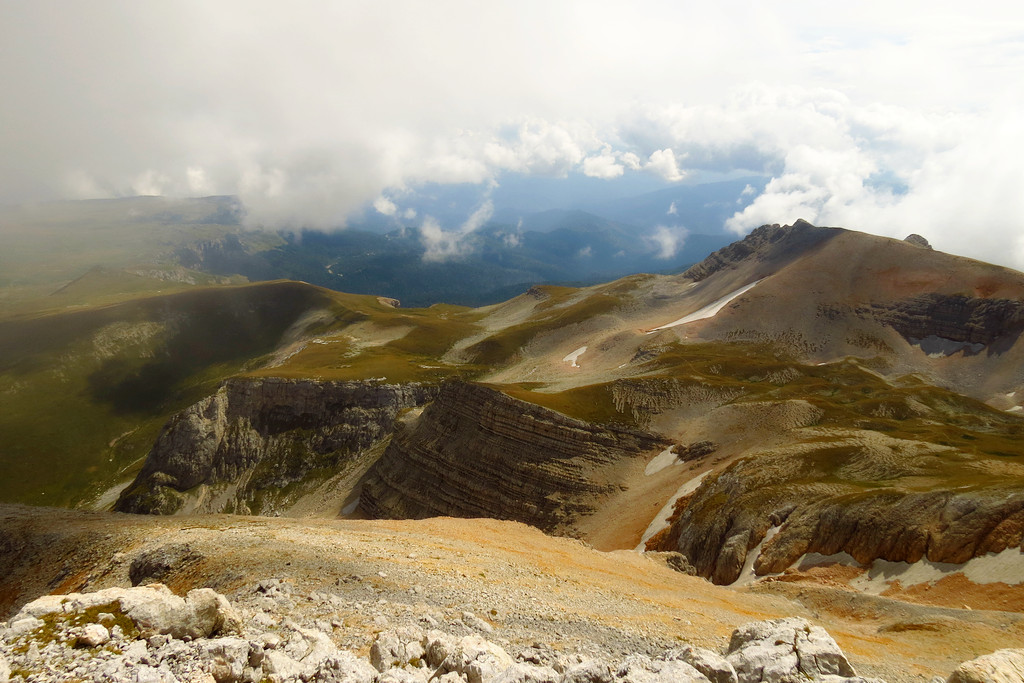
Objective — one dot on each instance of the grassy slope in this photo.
(83, 393)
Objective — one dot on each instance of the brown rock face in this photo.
(729, 516)
(476, 452)
(995, 323)
(769, 243)
(262, 435)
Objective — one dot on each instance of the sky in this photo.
(886, 117)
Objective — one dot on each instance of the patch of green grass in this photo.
(502, 346)
(84, 393)
(592, 403)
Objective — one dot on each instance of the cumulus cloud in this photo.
(668, 240)
(385, 206)
(663, 162)
(311, 111)
(603, 166)
(445, 245)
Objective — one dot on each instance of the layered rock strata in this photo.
(476, 452)
(258, 436)
(774, 243)
(150, 634)
(782, 508)
(968, 321)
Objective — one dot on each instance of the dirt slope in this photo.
(530, 587)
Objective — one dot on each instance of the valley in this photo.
(808, 413)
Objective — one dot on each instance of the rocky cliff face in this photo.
(779, 507)
(255, 437)
(476, 452)
(769, 243)
(968, 322)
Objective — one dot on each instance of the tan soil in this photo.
(530, 586)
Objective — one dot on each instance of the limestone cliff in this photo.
(476, 452)
(769, 243)
(962, 322)
(830, 499)
(239, 450)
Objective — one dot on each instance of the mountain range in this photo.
(809, 406)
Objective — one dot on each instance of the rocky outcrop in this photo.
(969, 322)
(476, 452)
(785, 651)
(156, 563)
(144, 611)
(150, 634)
(768, 243)
(812, 510)
(1002, 666)
(917, 241)
(260, 435)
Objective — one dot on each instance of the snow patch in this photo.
(574, 356)
(747, 574)
(662, 460)
(711, 310)
(1005, 567)
(940, 347)
(660, 521)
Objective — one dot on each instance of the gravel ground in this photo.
(502, 579)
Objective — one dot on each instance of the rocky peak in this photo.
(768, 243)
(917, 241)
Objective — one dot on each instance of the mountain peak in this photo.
(766, 243)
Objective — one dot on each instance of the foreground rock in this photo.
(1002, 666)
(149, 634)
(784, 650)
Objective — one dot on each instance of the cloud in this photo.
(385, 206)
(891, 118)
(446, 245)
(603, 166)
(663, 162)
(673, 211)
(668, 240)
(893, 172)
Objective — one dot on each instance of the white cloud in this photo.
(879, 116)
(585, 252)
(631, 161)
(673, 211)
(385, 206)
(409, 214)
(445, 245)
(198, 183)
(603, 166)
(668, 240)
(663, 162)
(150, 182)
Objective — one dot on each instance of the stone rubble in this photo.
(147, 634)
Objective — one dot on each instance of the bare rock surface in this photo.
(528, 463)
(267, 433)
(1002, 666)
(785, 651)
(157, 636)
(308, 591)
